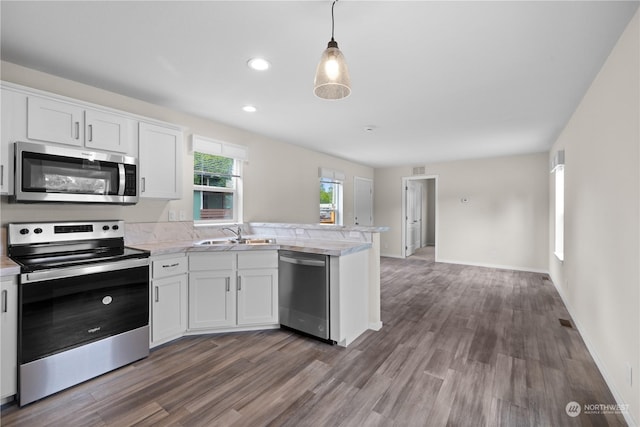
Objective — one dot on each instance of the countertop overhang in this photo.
(323, 247)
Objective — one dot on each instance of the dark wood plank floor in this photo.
(460, 346)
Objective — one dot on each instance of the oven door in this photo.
(61, 309)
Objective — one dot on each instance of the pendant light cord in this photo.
(332, 19)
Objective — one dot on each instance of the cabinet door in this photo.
(105, 131)
(160, 161)
(212, 299)
(257, 296)
(168, 308)
(54, 121)
(12, 118)
(9, 337)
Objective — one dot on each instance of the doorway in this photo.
(419, 206)
(363, 201)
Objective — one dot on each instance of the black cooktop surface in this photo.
(34, 262)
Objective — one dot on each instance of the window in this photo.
(558, 171)
(217, 184)
(331, 196)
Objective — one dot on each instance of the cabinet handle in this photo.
(170, 265)
(239, 283)
(4, 301)
(143, 184)
(157, 294)
(227, 281)
(90, 133)
(1, 174)
(77, 130)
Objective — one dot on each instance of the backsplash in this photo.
(155, 232)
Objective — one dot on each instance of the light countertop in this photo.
(8, 267)
(324, 247)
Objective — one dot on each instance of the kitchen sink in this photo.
(269, 241)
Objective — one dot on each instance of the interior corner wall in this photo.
(280, 180)
(599, 279)
(504, 223)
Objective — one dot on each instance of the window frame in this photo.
(559, 184)
(339, 203)
(558, 171)
(238, 154)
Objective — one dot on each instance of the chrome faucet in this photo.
(237, 232)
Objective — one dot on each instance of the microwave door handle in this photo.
(122, 179)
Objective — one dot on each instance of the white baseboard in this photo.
(375, 326)
(590, 347)
(498, 266)
(391, 256)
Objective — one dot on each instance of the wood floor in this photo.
(460, 346)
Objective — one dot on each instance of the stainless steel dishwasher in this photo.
(304, 292)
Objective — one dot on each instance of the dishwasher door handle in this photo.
(303, 261)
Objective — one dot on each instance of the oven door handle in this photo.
(62, 273)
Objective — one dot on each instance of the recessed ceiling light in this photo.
(249, 109)
(258, 64)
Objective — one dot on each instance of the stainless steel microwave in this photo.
(46, 173)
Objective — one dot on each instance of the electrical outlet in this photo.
(299, 231)
(183, 216)
(354, 234)
(172, 216)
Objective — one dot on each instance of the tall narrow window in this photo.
(217, 183)
(558, 171)
(330, 202)
(331, 211)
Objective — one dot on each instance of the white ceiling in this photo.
(437, 80)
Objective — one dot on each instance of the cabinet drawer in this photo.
(212, 261)
(258, 259)
(169, 267)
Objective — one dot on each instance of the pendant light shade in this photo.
(332, 75)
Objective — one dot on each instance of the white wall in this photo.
(600, 277)
(504, 224)
(280, 180)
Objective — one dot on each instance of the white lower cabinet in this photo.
(212, 299)
(9, 336)
(233, 289)
(257, 296)
(168, 298)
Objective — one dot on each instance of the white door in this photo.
(9, 334)
(54, 121)
(212, 299)
(363, 196)
(160, 161)
(257, 297)
(169, 308)
(414, 216)
(106, 131)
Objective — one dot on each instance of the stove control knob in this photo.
(24, 231)
(38, 230)
(115, 227)
(105, 227)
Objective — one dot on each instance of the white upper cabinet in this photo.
(12, 102)
(160, 161)
(67, 123)
(55, 121)
(104, 131)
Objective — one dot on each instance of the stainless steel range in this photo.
(83, 303)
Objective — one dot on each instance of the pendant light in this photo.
(332, 75)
